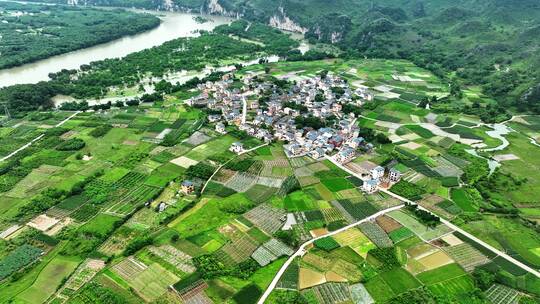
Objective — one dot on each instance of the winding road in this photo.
(302, 250)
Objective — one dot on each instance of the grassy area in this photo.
(526, 167)
(209, 216)
(501, 233)
(49, 279)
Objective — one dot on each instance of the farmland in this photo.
(116, 221)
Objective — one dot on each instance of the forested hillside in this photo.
(33, 32)
(491, 43)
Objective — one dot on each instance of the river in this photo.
(173, 25)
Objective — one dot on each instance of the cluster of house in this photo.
(320, 97)
(379, 176)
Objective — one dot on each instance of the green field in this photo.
(400, 280)
(49, 279)
(441, 274)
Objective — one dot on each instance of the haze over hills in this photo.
(490, 43)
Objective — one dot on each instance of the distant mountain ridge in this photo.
(492, 43)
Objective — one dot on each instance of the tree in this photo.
(455, 89)
(483, 279)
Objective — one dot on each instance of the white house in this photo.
(345, 155)
(370, 186)
(237, 147)
(377, 172)
(316, 153)
(394, 175)
(220, 128)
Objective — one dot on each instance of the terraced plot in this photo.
(415, 226)
(500, 294)
(175, 257)
(266, 218)
(467, 256)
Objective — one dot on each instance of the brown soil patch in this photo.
(42, 222)
(388, 224)
(318, 232)
(309, 278)
(435, 260)
(334, 277)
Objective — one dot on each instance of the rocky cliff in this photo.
(281, 21)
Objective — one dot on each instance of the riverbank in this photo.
(172, 26)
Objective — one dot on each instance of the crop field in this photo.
(83, 274)
(317, 260)
(210, 148)
(241, 182)
(332, 215)
(376, 234)
(358, 211)
(240, 249)
(260, 193)
(117, 242)
(149, 282)
(400, 234)
(266, 218)
(153, 282)
(17, 259)
(467, 256)
(457, 285)
(441, 274)
(301, 201)
(346, 271)
(308, 278)
(48, 279)
(337, 184)
(332, 293)
(289, 279)
(400, 280)
(175, 257)
(500, 294)
(271, 251)
(359, 294)
(463, 200)
(131, 199)
(379, 289)
(327, 243)
(416, 227)
(435, 260)
(350, 237)
(298, 162)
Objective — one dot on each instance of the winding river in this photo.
(173, 25)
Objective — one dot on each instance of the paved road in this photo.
(36, 139)
(472, 237)
(454, 227)
(302, 250)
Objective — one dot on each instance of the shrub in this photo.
(326, 244)
(100, 131)
(248, 294)
(73, 144)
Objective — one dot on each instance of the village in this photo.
(275, 116)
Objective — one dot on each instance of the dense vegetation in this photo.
(489, 43)
(33, 32)
(195, 55)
